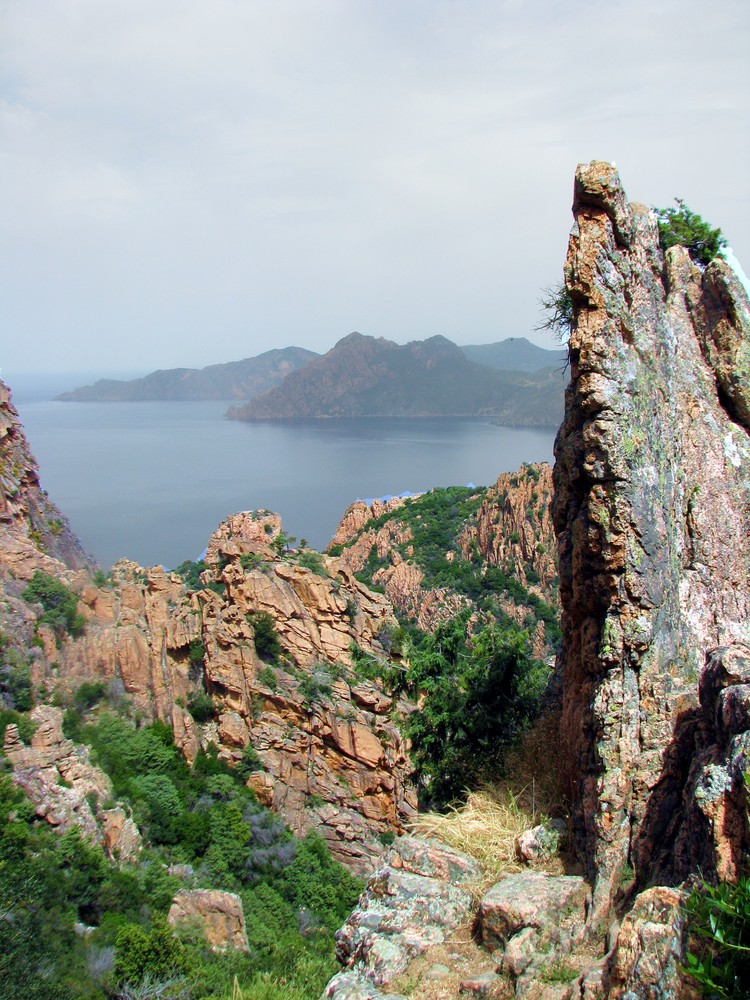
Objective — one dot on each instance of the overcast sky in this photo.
(188, 182)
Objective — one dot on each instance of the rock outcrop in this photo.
(330, 755)
(652, 511)
(34, 534)
(65, 788)
(509, 530)
(413, 902)
(218, 915)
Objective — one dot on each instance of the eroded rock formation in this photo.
(35, 534)
(328, 754)
(218, 914)
(65, 788)
(652, 511)
(511, 530)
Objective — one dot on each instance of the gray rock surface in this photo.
(652, 511)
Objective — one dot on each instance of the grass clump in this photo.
(487, 825)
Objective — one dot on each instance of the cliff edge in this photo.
(652, 513)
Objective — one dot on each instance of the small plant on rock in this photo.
(682, 227)
(719, 922)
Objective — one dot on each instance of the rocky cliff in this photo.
(327, 753)
(652, 511)
(33, 532)
(438, 553)
(367, 377)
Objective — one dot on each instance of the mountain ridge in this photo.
(233, 380)
(363, 376)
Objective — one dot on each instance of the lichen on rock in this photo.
(652, 512)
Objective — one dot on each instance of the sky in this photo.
(188, 182)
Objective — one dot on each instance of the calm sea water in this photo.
(151, 481)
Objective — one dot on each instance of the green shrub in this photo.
(557, 306)
(479, 692)
(249, 762)
(719, 922)
(60, 604)
(15, 685)
(26, 728)
(196, 652)
(155, 954)
(191, 572)
(201, 706)
(315, 688)
(313, 561)
(89, 694)
(681, 227)
(266, 639)
(251, 560)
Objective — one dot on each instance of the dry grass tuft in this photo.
(488, 824)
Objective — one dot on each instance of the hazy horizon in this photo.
(194, 183)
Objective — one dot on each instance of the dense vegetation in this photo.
(478, 689)
(435, 520)
(719, 920)
(59, 603)
(202, 818)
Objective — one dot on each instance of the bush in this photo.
(190, 573)
(719, 920)
(681, 227)
(201, 707)
(89, 694)
(155, 953)
(557, 306)
(313, 561)
(60, 604)
(479, 692)
(267, 644)
(15, 685)
(196, 652)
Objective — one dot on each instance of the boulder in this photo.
(218, 914)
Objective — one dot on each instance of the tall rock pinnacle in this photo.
(652, 512)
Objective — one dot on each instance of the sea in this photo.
(152, 481)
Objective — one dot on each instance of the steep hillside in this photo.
(462, 548)
(364, 377)
(234, 380)
(515, 354)
(32, 530)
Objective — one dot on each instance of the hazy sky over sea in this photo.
(194, 181)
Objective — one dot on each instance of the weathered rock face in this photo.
(414, 901)
(218, 914)
(34, 532)
(652, 512)
(65, 788)
(511, 530)
(331, 756)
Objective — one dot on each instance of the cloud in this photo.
(194, 182)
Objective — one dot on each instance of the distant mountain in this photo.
(235, 380)
(366, 377)
(515, 354)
